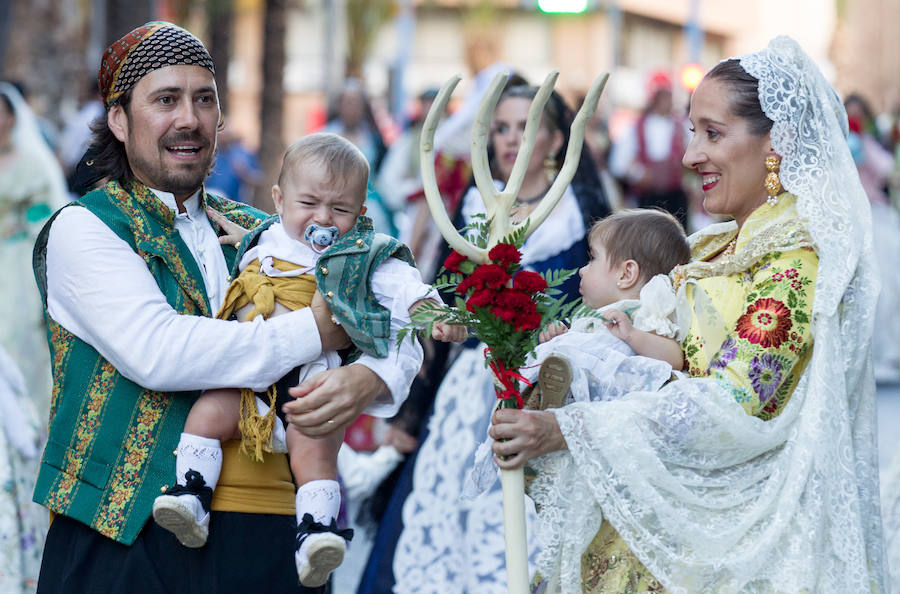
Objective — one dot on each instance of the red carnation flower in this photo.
(480, 298)
(515, 299)
(505, 254)
(464, 285)
(766, 323)
(489, 276)
(453, 261)
(530, 282)
(504, 314)
(528, 321)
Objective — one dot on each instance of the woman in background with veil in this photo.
(759, 471)
(32, 186)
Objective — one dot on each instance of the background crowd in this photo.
(402, 476)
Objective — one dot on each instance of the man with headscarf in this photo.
(130, 275)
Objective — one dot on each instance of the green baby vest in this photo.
(343, 277)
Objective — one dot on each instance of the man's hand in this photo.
(332, 335)
(332, 399)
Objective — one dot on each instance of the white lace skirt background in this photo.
(450, 545)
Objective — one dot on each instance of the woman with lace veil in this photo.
(447, 544)
(758, 472)
(32, 186)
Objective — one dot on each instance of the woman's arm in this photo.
(520, 435)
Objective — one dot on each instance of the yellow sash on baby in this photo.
(262, 291)
(293, 292)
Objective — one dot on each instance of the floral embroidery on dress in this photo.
(766, 323)
(727, 353)
(61, 342)
(765, 374)
(125, 480)
(766, 350)
(85, 432)
(608, 566)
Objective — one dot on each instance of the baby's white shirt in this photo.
(655, 311)
(395, 284)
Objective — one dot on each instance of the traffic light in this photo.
(567, 6)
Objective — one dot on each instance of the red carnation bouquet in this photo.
(503, 305)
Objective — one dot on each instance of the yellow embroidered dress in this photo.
(750, 331)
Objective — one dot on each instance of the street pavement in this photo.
(888, 423)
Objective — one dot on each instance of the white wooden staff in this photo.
(498, 206)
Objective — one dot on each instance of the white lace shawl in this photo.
(707, 497)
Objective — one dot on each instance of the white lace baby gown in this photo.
(603, 366)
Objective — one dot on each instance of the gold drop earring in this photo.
(773, 183)
(551, 167)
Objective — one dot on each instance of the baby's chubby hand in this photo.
(449, 332)
(552, 331)
(232, 233)
(618, 323)
(426, 309)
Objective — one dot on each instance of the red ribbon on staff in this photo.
(507, 378)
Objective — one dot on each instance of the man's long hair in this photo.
(105, 157)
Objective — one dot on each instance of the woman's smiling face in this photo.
(729, 158)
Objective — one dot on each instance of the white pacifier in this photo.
(319, 238)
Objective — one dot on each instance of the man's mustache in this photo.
(185, 138)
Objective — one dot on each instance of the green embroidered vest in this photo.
(343, 277)
(110, 444)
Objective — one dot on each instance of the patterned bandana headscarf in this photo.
(149, 47)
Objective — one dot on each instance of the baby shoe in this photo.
(554, 379)
(184, 511)
(320, 550)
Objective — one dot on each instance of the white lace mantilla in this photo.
(707, 497)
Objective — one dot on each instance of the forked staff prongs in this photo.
(499, 204)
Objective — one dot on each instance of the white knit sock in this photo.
(321, 499)
(202, 454)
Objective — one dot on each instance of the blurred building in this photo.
(53, 44)
(866, 51)
(629, 37)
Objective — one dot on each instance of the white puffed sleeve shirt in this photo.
(100, 290)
